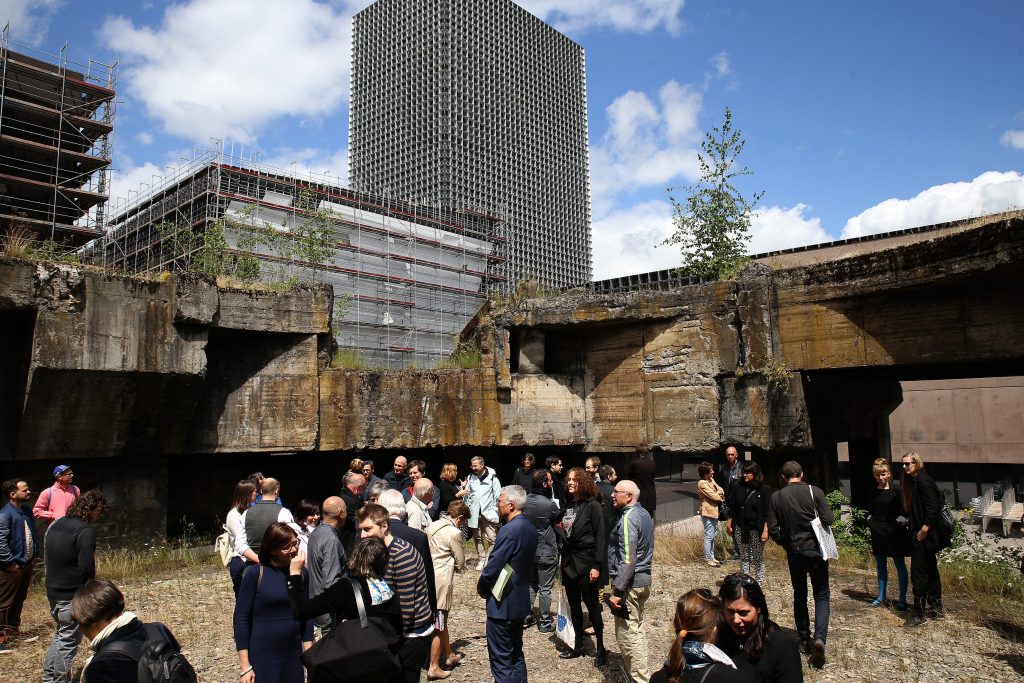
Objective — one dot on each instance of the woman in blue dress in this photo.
(268, 637)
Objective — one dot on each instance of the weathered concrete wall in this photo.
(362, 409)
(118, 366)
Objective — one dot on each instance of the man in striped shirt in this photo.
(407, 576)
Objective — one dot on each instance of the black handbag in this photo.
(357, 650)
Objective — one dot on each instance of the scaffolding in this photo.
(56, 120)
(411, 276)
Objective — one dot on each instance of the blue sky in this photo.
(859, 117)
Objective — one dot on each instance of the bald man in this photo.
(630, 559)
(398, 478)
(325, 555)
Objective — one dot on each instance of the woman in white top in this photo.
(243, 497)
(307, 516)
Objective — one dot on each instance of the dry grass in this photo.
(18, 242)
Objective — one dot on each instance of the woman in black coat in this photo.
(584, 544)
(694, 658)
(368, 563)
(922, 499)
(748, 514)
(749, 636)
(889, 536)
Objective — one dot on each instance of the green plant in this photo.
(466, 355)
(777, 376)
(342, 307)
(346, 358)
(851, 523)
(314, 239)
(713, 220)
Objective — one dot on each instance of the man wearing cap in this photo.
(53, 503)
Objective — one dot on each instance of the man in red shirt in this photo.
(53, 502)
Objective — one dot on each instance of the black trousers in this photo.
(412, 654)
(924, 572)
(581, 592)
(800, 568)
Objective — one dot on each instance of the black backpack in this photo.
(160, 660)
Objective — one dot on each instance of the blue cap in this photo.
(60, 469)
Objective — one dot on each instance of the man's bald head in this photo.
(270, 486)
(625, 493)
(333, 509)
(423, 489)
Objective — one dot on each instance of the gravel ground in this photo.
(865, 644)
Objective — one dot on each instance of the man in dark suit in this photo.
(515, 546)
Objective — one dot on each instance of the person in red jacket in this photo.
(53, 502)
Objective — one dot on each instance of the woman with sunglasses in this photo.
(694, 658)
(268, 637)
(749, 636)
(889, 536)
(923, 503)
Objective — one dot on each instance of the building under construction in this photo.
(56, 118)
(406, 278)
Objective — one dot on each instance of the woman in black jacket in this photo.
(749, 636)
(694, 658)
(748, 514)
(889, 535)
(523, 476)
(921, 498)
(584, 543)
(368, 563)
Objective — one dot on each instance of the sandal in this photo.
(453, 661)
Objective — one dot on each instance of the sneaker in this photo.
(713, 563)
(547, 628)
(480, 564)
(529, 621)
(817, 656)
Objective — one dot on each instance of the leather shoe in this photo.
(569, 654)
(601, 659)
(817, 657)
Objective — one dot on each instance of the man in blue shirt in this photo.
(19, 549)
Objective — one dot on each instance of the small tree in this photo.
(315, 241)
(713, 222)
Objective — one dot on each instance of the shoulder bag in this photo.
(358, 649)
(826, 541)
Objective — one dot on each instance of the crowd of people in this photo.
(386, 549)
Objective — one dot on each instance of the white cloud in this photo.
(722, 65)
(1014, 139)
(226, 68)
(627, 241)
(648, 143)
(990, 192)
(311, 163)
(776, 227)
(144, 138)
(636, 16)
(29, 19)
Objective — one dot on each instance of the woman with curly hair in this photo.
(694, 658)
(584, 542)
(749, 636)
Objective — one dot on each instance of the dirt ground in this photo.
(865, 643)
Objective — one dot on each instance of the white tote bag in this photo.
(826, 541)
(563, 625)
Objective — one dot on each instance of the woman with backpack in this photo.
(923, 502)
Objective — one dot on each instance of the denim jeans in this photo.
(800, 567)
(61, 655)
(710, 529)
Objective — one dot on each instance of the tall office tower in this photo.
(481, 107)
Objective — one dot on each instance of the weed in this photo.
(18, 242)
(466, 356)
(346, 358)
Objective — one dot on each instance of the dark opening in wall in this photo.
(515, 342)
(563, 352)
(16, 330)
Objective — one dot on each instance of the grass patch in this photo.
(347, 359)
(131, 562)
